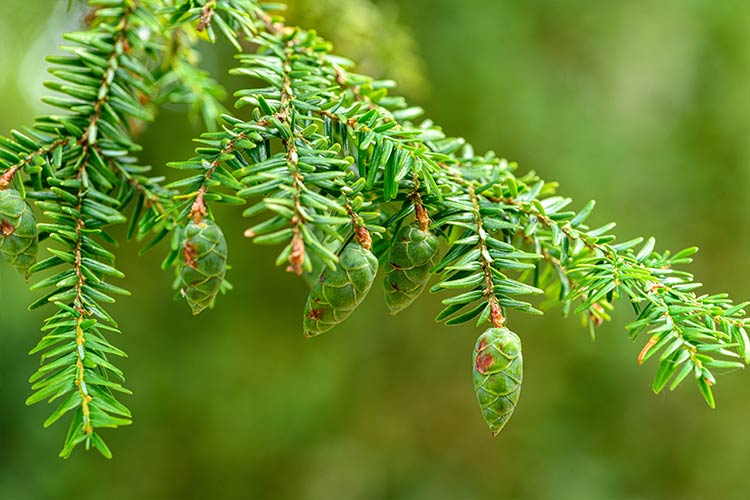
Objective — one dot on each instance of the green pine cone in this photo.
(203, 264)
(413, 253)
(498, 373)
(338, 292)
(19, 237)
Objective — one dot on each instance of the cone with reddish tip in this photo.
(339, 291)
(19, 237)
(498, 373)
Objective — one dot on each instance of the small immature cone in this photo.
(498, 373)
(339, 291)
(413, 253)
(203, 264)
(19, 237)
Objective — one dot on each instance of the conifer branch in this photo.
(341, 175)
(80, 172)
(689, 331)
(396, 159)
(93, 402)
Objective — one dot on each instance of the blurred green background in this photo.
(643, 105)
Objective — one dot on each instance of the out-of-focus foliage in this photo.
(370, 34)
(650, 98)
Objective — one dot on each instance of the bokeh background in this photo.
(643, 105)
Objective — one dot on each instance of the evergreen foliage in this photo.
(338, 173)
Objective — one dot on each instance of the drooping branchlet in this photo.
(325, 148)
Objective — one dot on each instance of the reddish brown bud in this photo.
(206, 14)
(420, 213)
(297, 256)
(496, 314)
(198, 210)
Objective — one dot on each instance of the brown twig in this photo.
(297, 254)
(496, 312)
